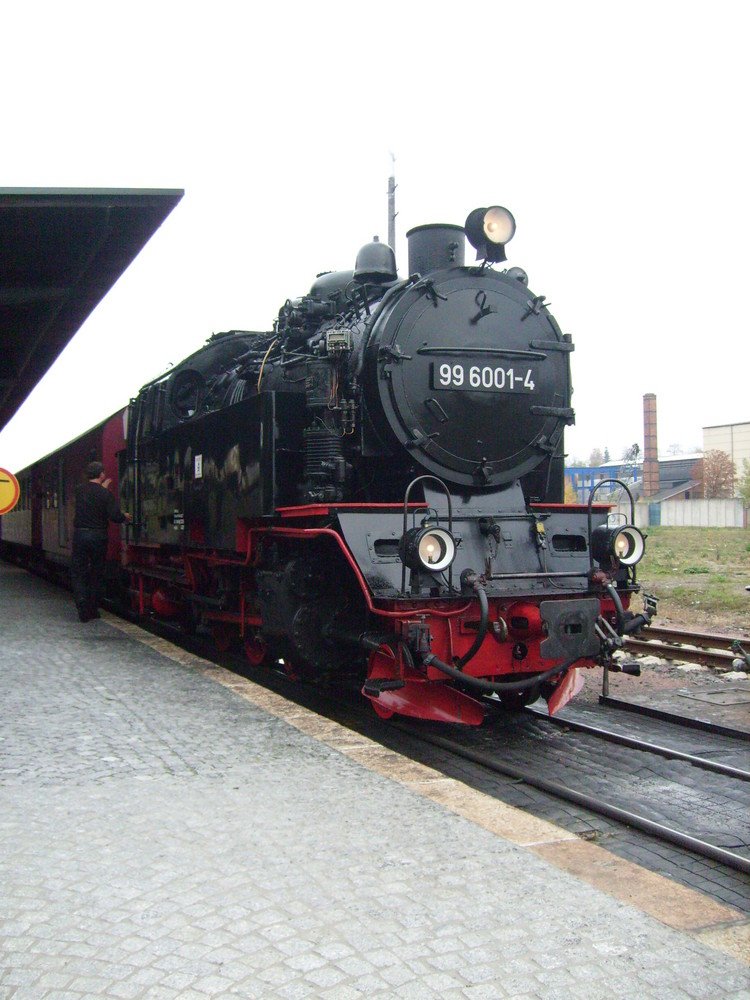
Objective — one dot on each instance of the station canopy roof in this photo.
(61, 250)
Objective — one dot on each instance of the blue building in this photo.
(680, 476)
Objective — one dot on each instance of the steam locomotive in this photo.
(374, 488)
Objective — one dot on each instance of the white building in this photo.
(734, 439)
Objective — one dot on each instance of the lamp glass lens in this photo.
(431, 549)
(623, 545)
(629, 545)
(435, 549)
(499, 225)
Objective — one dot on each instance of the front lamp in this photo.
(620, 545)
(488, 230)
(428, 549)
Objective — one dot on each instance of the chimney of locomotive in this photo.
(436, 246)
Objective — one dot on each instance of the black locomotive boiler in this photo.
(375, 488)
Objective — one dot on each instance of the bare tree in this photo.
(596, 457)
(718, 475)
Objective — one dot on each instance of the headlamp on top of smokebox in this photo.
(488, 230)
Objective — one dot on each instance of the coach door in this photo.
(37, 504)
(63, 539)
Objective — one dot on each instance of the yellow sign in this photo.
(9, 491)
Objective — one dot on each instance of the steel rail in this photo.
(728, 858)
(676, 720)
(635, 744)
(668, 651)
(711, 650)
(705, 640)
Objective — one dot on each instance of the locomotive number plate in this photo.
(481, 378)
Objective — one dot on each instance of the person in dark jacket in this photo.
(95, 508)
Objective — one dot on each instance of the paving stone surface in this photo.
(161, 837)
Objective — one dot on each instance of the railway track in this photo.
(636, 796)
(717, 651)
(633, 743)
(490, 749)
(628, 813)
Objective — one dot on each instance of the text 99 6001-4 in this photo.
(481, 377)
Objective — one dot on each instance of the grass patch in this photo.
(698, 568)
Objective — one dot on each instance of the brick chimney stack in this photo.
(650, 448)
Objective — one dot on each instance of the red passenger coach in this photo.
(38, 533)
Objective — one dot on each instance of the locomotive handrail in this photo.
(543, 574)
(504, 352)
(604, 482)
(445, 489)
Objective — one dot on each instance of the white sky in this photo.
(615, 132)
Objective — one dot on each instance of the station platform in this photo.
(169, 829)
